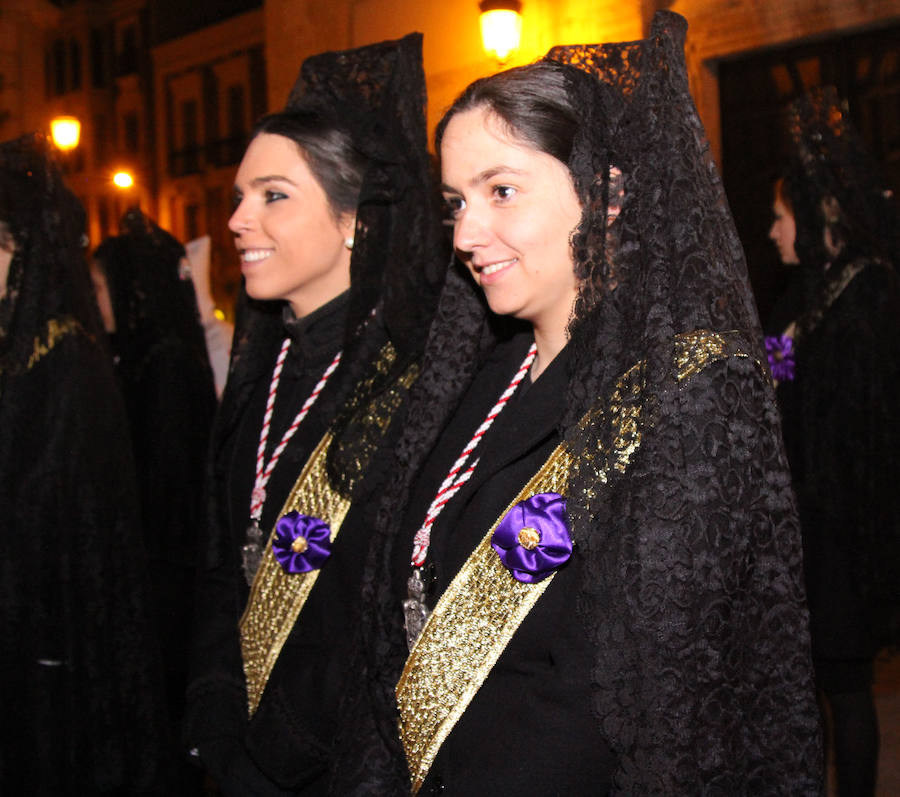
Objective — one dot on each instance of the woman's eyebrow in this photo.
(484, 176)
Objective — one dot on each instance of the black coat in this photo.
(842, 435)
(536, 703)
(82, 693)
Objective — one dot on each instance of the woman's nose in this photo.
(469, 231)
(240, 218)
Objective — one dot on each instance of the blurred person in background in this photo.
(218, 332)
(834, 353)
(82, 693)
(146, 297)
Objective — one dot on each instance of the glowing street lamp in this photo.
(501, 27)
(123, 180)
(65, 131)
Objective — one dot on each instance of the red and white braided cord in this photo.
(457, 477)
(263, 470)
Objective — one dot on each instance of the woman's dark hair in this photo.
(328, 149)
(533, 101)
(782, 192)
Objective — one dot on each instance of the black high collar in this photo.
(315, 336)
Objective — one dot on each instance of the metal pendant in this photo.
(251, 552)
(415, 612)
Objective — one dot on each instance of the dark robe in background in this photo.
(81, 692)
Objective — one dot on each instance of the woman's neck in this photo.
(549, 342)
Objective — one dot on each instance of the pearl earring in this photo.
(348, 242)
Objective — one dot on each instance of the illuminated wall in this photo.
(453, 55)
(452, 48)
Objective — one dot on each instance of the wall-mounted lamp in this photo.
(501, 27)
(65, 131)
(123, 179)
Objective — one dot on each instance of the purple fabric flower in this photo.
(780, 351)
(302, 542)
(532, 540)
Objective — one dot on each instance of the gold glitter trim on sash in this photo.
(465, 635)
(479, 612)
(276, 597)
(57, 329)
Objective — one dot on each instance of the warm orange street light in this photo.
(501, 27)
(123, 179)
(65, 131)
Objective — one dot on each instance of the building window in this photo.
(59, 67)
(48, 73)
(236, 124)
(128, 53)
(191, 219)
(189, 127)
(99, 55)
(131, 132)
(236, 111)
(74, 65)
(101, 145)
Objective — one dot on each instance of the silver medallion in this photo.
(251, 552)
(415, 612)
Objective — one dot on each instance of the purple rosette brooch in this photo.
(302, 542)
(780, 351)
(533, 540)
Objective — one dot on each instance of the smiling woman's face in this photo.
(7, 249)
(291, 245)
(514, 209)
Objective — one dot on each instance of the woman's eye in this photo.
(274, 196)
(236, 199)
(453, 205)
(504, 191)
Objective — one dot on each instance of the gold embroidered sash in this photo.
(56, 330)
(484, 605)
(276, 597)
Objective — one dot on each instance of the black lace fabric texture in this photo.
(692, 591)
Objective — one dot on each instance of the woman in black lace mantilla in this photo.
(82, 697)
(610, 574)
(836, 357)
(337, 227)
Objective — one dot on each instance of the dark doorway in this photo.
(753, 93)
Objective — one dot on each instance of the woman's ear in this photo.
(831, 209)
(831, 213)
(347, 225)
